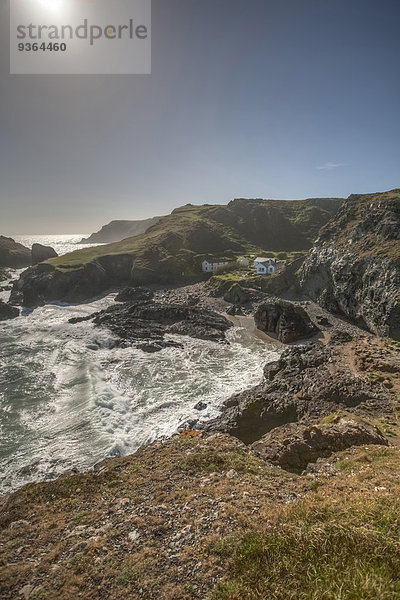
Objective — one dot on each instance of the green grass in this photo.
(317, 550)
(218, 231)
(210, 462)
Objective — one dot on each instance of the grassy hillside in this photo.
(119, 230)
(180, 241)
(200, 518)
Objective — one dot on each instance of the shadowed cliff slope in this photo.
(115, 231)
(354, 267)
(172, 250)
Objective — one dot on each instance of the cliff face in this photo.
(115, 231)
(172, 250)
(354, 267)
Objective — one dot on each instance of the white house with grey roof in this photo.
(265, 266)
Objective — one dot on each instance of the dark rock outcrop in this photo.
(237, 295)
(305, 384)
(287, 320)
(133, 295)
(293, 446)
(146, 324)
(47, 283)
(7, 311)
(41, 253)
(354, 267)
(13, 255)
(4, 275)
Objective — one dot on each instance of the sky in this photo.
(282, 99)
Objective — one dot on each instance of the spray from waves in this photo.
(70, 397)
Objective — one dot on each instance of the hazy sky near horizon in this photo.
(247, 98)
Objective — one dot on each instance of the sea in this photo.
(69, 397)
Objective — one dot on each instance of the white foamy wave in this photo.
(70, 396)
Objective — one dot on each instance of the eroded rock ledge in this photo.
(294, 446)
(310, 382)
(147, 321)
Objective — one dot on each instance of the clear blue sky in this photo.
(247, 98)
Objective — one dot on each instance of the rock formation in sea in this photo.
(13, 255)
(145, 322)
(7, 311)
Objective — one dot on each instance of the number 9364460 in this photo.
(49, 47)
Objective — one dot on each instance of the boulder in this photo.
(293, 446)
(4, 275)
(237, 295)
(41, 253)
(287, 320)
(13, 255)
(7, 311)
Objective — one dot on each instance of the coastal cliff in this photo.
(115, 231)
(172, 250)
(354, 267)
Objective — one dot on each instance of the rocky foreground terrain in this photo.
(293, 492)
(307, 508)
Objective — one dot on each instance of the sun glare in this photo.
(52, 5)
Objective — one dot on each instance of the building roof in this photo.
(263, 259)
(215, 262)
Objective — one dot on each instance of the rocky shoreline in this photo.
(145, 321)
(202, 514)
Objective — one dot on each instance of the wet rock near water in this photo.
(4, 275)
(294, 446)
(8, 312)
(147, 323)
(305, 384)
(288, 321)
(133, 295)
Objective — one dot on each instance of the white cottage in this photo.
(209, 266)
(265, 266)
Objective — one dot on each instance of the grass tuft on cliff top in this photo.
(340, 543)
